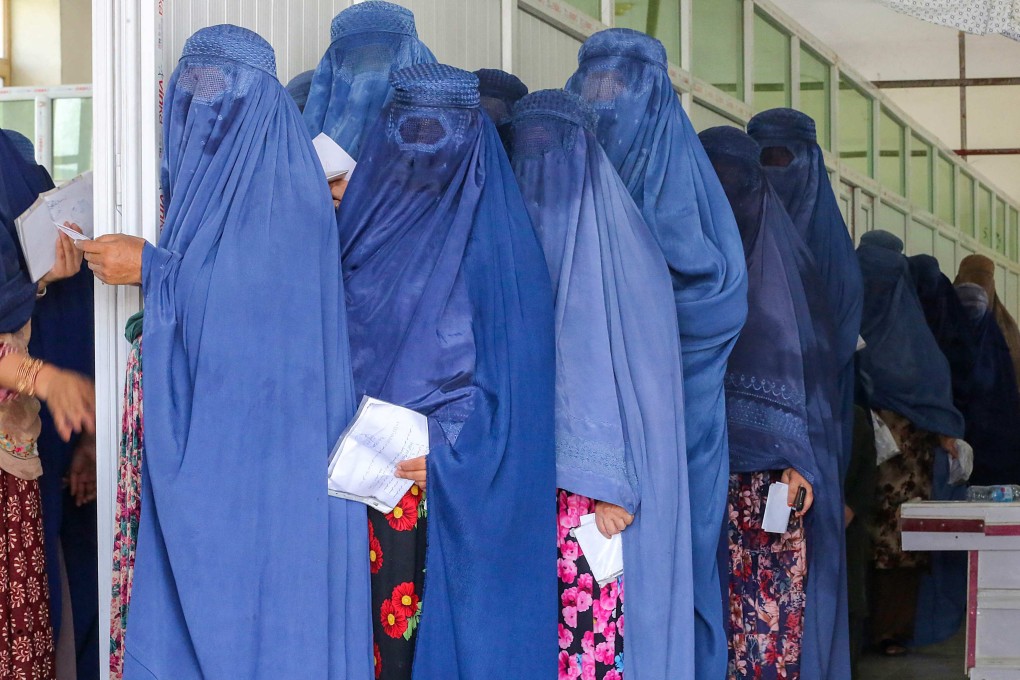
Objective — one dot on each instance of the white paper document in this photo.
(604, 555)
(777, 510)
(71, 233)
(365, 459)
(336, 162)
(38, 226)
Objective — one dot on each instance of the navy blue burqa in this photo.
(908, 372)
(245, 567)
(780, 393)
(500, 91)
(992, 409)
(18, 190)
(371, 40)
(653, 146)
(619, 417)
(451, 315)
(796, 170)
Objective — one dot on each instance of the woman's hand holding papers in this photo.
(611, 519)
(115, 259)
(413, 469)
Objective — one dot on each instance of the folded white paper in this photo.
(37, 226)
(365, 458)
(777, 509)
(604, 555)
(72, 234)
(336, 162)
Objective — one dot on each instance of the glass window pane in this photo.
(984, 215)
(1014, 246)
(965, 204)
(945, 193)
(855, 125)
(592, 8)
(1000, 226)
(771, 65)
(890, 157)
(815, 88)
(657, 18)
(702, 118)
(72, 138)
(19, 115)
(717, 44)
(920, 173)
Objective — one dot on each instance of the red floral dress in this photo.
(768, 576)
(396, 552)
(591, 617)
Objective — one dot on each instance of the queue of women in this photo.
(598, 310)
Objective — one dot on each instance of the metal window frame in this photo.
(5, 41)
(43, 98)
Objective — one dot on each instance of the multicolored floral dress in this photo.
(396, 552)
(591, 617)
(26, 634)
(129, 503)
(768, 578)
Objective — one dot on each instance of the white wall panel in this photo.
(462, 33)
(544, 57)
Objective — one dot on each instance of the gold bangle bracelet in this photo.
(28, 371)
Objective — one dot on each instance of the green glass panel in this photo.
(19, 115)
(657, 18)
(920, 173)
(771, 65)
(1000, 225)
(984, 215)
(890, 156)
(72, 138)
(945, 192)
(703, 118)
(965, 204)
(1013, 236)
(815, 90)
(592, 8)
(855, 127)
(717, 44)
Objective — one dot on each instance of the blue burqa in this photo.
(500, 91)
(619, 415)
(993, 407)
(245, 567)
(298, 88)
(451, 315)
(650, 141)
(371, 40)
(18, 191)
(796, 170)
(908, 372)
(780, 393)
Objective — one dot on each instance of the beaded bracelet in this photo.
(28, 371)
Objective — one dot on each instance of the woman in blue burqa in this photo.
(912, 392)
(796, 169)
(451, 316)
(653, 146)
(500, 91)
(620, 450)
(370, 40)
(787, 592)
(245, 568)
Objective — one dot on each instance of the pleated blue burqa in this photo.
(245, 567)
(781, 386)
(451, 315)
(796, 168)
(17, 193)
(619, 415)
(370, 41)
(651, 142)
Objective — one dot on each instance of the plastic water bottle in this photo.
(1002, 493)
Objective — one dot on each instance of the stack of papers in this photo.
(604, 555)
(336, 162)
(38, 226)
(365, 459)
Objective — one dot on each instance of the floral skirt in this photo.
(591, 617)
(396, 552)
(768, 577)
(128, 511)
(26, 636)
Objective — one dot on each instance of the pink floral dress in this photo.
(591, 617)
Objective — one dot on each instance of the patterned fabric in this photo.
(900, 479)
(129, 501)
(768, 576)
(396, 552)
(19, 416)
(26, 637)
(973, 16)
(591, 617)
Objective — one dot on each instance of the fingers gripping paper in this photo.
(364, 461)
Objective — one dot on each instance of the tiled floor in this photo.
(938, 662)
